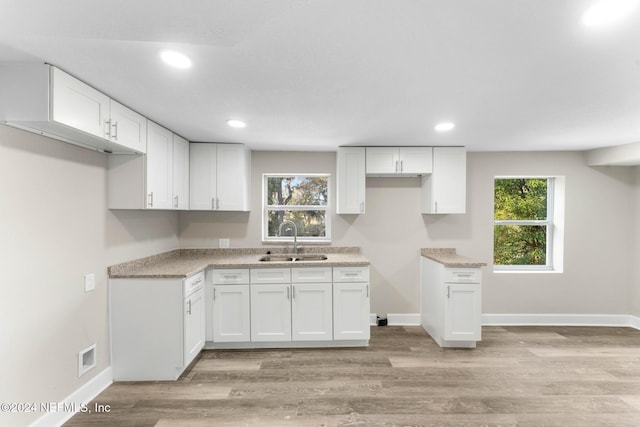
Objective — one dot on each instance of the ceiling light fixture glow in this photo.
(236, 123)
(175, 59)
(606, 12)
(444, 127)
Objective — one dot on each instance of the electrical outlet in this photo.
(223, 243)
(89, 282)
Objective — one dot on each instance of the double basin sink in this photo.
(293, 258)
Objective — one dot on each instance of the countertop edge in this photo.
(450, 258)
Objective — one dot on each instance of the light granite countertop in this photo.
(449, 258)
(181, 263)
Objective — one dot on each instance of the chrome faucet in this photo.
(295, 233)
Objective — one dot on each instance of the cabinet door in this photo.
(382, 160)
(78, 105)
(194, 325)
(159, 167)
(416, 160)
(128, 128)
(351, 311)
(462, 312)
(202, 176)
(271, 312)
(180, 173)
(445, 190)
(351, 180)
(231, 313)
(232, 182)
(311, 312)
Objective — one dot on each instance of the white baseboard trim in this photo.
(561, 320)
(76, 400)
(404, 319)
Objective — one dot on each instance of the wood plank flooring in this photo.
(517, 376)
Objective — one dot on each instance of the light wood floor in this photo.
(518, 376)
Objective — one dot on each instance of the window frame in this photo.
(289, 237)
(549, 223)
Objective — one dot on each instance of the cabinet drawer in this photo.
(311, 275)
(270, 275)
(193, 283)
(230, 276)
(351, 274)
(462, 275)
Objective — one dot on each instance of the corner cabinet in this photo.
(444, 190)
(44, 99)
(219, 177)
(451, 300)
(156, 180)
(290, 307)
(157, 326)
(351, 180)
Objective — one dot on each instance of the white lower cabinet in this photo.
(462, 312)
(194, 322)
(270, 312)
(232, 315)
(451, 304)
(311, 304)
(351, 311)
(157, 326)
(231, 309)
(273, 306)
(351, 302)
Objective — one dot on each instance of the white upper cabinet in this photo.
(78, 105)
(219, 177)
(159, 167)
(351, 180)
(407, 161)
(127, 128)
(158, 179)
(44, 99)
(180, 173)
(445, 190)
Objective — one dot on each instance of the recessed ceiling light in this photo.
(607, 11)
(175, 59)
(444, 127)
(236, 123)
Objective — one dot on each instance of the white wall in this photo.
(55, 228)
(598, 244)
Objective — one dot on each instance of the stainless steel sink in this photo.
(310, 257)
(292, 258)
(276, 258)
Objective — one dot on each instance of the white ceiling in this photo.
(316, 74)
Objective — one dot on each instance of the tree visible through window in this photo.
(301, 199)
(522, 222)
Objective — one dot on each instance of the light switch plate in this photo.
(89, 282)
(223, 243)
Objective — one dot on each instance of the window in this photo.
(302, 199)
(525, 224)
